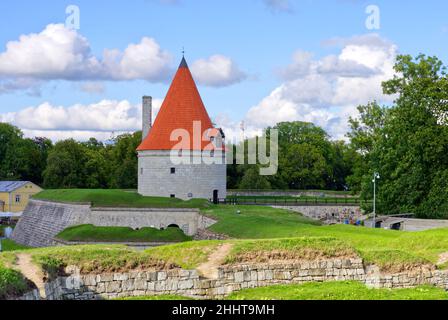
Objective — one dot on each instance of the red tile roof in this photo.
(180, 109)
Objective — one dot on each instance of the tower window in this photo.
(18, 198)
(173, 170)
(173, 196)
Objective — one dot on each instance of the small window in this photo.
(190, 195)
(212, 139)
(18, 198)
(173, 196)
(141, 170)
(173, 170)
(212, 153)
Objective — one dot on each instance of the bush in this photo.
(12, 283)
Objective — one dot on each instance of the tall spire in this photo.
(181, 108)
(183, 63)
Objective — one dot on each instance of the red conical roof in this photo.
(180, 109)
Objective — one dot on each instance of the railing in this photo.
(306, 201)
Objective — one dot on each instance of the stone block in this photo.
(140, 284)
(185, 284)
(161, 275)
(113, 287)
(121, 276)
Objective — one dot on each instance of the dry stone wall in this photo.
(231, 279)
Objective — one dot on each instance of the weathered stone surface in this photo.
(233, 278)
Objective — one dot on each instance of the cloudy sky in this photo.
(257, 61)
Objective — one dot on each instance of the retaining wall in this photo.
(329, 214)
(231, 279)
(43, 220)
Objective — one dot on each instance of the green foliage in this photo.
(9, 245)
(121, 234)
(307, 160)
(22, 159)
(408, 142)
(116, 198)
(12, 283)
(344, 290)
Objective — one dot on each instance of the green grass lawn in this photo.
(87, 233)
(116, 198)
(344, 290)
(338, 291)
(9, 245)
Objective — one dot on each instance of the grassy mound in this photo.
(258, 222)
(338, 291)
(95, 259)
(90, 233)
(9, 245)
(117, 258)
(303, 249)
(392, 251)
(116, 198)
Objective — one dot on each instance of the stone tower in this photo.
(183, 156)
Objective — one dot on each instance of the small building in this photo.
(14, 195)
(182, 155)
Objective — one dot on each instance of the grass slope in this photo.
(338, 291)
(116, 198)
(392, 250)
(88, 233)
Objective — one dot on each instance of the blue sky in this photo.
(257, 38)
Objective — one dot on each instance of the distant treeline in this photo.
(69, 163)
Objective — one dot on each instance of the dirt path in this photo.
(31, 272)
(209, 269)
(443, 258)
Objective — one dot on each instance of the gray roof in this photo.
(8, 186)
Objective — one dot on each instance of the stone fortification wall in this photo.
(42, 220)
(233, 278)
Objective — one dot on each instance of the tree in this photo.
(252, 180)
(66, 166)
(408, 144)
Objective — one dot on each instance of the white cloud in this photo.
(328, 90)
(79, 121)
(217, 71)
(58, 53)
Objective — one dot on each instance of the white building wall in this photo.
(192, 180)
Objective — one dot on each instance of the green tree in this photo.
(252, 180)
(66, 166)
(408, 143)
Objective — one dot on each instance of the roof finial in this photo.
(183, 52)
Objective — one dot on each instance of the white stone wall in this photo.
(234, 278)
(189, 181)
